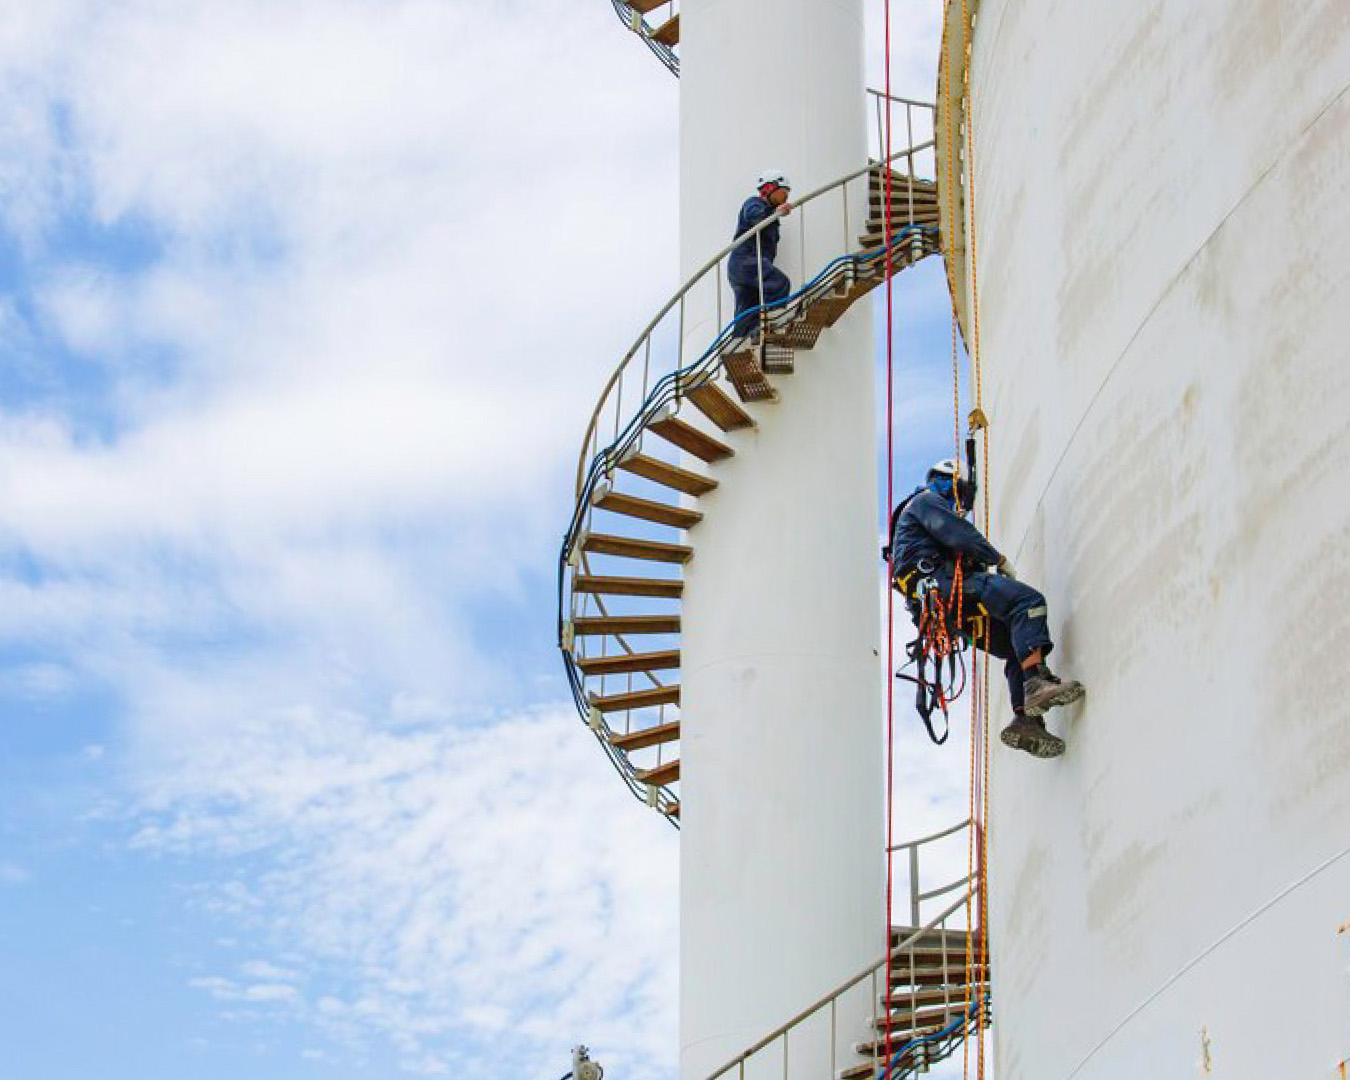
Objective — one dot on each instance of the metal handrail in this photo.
(831, 999)
(917, 895)
(634, 21)
(596, 464)
(711, 264)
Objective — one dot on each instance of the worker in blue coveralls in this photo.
(929, 532)
(751, 261)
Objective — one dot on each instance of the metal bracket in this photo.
(978, 421)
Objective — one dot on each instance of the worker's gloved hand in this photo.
(784, 210)
(1005, 568)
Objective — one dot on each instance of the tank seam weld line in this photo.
(1243, 924)
(1180, 274)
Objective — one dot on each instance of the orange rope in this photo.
(978, 951)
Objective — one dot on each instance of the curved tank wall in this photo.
(1162, 202)
(781, 802)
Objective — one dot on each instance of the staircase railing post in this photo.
(759, 270)
(914, 885)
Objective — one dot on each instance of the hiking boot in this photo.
(1046, 690)
(1028, 733)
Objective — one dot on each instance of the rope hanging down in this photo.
(943, 635)
(890, 501)
(977, 950)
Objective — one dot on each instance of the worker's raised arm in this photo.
(954, 532)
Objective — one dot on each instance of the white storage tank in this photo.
(1161, 199)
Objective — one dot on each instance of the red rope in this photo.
(890, 502)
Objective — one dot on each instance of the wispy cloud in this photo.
(309, 303)
(437, 885)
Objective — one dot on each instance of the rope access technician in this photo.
(751, 261)
(929, 533)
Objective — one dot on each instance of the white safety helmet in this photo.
(963, 490)
(776, 177)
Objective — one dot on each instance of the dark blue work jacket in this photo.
(752, 213)
(929, 532)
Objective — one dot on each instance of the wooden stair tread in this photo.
(779, 350)
(924, 190)
(637, 699)
(904, 933)
(663, 472)
(624, 663)
(748, 377)
(652, 736)
(673, 810)
(633, 548)
(588, 625)
(801, 333)
(908, 1000)
(668, 33)
(689, 438)
(648, 510)
(646, 7)
(719, 407)
(900, 1034)
(610, 585)
(928, 976)
(666, 773)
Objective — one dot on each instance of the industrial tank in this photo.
(1157, 269)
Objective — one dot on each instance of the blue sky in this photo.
(298, 331)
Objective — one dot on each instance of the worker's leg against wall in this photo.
(1012, 670)
(1018, 605)
(1000, 645)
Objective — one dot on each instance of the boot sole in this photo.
(1066, 694)
(1041, 746)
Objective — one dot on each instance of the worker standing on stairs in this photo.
(751, 265)
(929, 533)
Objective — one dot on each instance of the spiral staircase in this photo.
(636, 516)
(677, 406)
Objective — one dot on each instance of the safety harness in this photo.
(944, 629)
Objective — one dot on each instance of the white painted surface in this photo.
(1161, 201)
(781, 869)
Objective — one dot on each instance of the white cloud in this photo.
(36, 681)
(382, 256)
(440, 885)
(386, 252)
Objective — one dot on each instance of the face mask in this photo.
(965, 489)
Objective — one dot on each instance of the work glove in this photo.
(1005, 569)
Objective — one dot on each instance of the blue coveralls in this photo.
(928, 536)
(754, 257)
